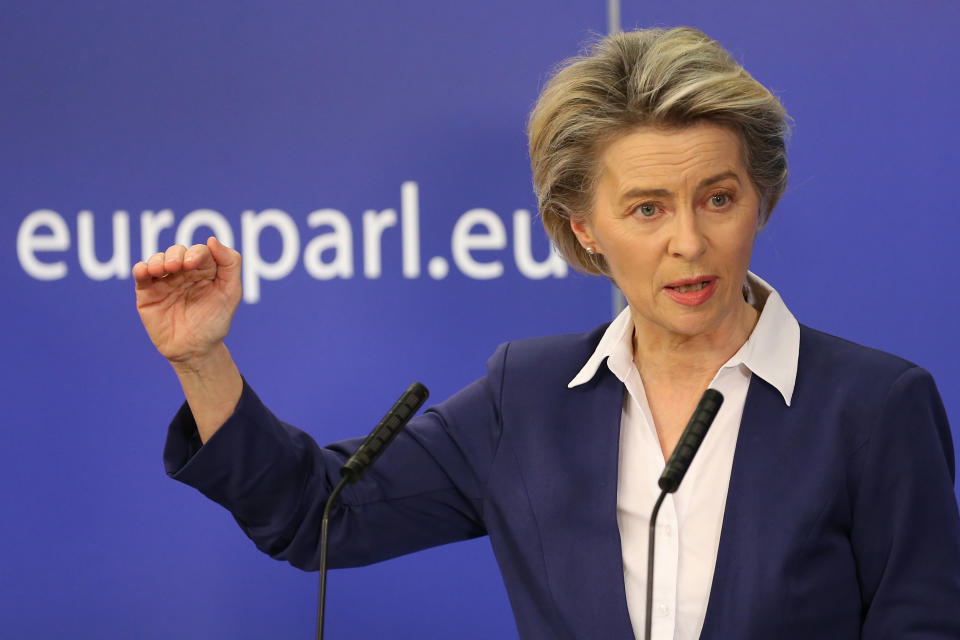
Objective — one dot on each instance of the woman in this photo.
(821, 502)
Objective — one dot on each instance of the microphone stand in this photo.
(650, 541)
(362, 459)
(677, 465)
(322, 604)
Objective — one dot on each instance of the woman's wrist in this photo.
(204, 364)
(212, 386)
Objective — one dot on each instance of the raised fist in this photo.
(187, 297)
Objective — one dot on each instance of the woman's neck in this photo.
(664, 357)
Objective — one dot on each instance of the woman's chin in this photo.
(688, 323)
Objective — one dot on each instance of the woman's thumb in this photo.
(224, 256)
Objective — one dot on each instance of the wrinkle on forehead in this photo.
(656, 158)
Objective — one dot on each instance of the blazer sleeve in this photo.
(906, 527)
(425, 490)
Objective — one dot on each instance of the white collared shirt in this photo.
(688, 525)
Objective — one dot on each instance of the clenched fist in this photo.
(187, 298)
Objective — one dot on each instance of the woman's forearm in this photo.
(212, 387)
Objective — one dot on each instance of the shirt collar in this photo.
(771, 352)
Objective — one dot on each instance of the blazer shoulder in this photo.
(829, 362)
(846, 355)
(553, 357)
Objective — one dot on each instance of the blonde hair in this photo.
(651, 77)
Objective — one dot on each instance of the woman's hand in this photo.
(187, 298)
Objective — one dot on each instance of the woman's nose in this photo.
(686, 240)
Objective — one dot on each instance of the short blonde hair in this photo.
(651, 77)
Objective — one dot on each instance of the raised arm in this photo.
(274, 479)
(186, 299)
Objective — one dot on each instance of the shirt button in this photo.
(663, 610)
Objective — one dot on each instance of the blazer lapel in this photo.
(574, 495)
(742, 580)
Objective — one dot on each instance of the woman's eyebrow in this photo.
(706, 182)
(642, 193)
(639, 192)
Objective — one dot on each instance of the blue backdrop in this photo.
(127, 125)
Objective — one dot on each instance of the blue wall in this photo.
(299, 106)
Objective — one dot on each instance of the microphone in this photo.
(677, 465)
(690, 441)
(384, 433)
(362, 459)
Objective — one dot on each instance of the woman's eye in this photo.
(647, 210)
(719, 199)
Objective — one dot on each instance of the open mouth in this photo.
(687, 288)
(692, 292)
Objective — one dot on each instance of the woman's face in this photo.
(675, 216)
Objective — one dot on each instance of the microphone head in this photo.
(690, 440)
(384, 433)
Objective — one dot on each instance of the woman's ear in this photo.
(582, 230)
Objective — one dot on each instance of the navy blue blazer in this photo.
(840, 522)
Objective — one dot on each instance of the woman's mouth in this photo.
(692, 292)
(685, 288)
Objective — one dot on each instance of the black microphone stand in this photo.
(364, 457)
(322, 604)
(650, 541)
(680, 459)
